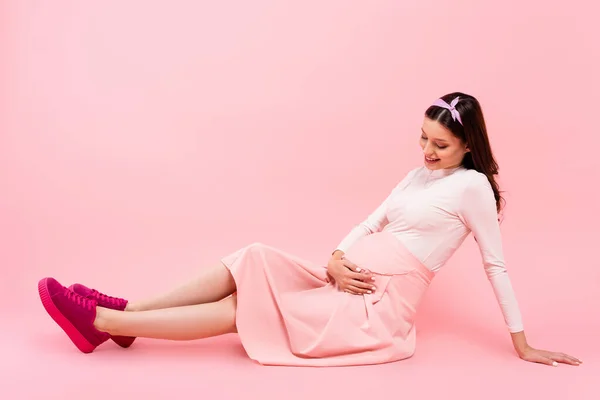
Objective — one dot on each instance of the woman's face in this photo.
(441, 149)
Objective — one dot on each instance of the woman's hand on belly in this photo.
(349, 277)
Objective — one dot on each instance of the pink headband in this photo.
(451, 107)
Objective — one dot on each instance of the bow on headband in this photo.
(450, 107)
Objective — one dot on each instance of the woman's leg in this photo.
(213, 284)
(178, 323)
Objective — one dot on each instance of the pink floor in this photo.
(463, 349)
(39, 363)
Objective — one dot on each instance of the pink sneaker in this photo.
(114, 303)
(74, 313)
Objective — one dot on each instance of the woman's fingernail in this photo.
(369, 292)
(374, 288)
(358, 269)
(372, 278)
(554, 364)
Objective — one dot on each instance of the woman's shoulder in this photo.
(476, 178)
(476, 184)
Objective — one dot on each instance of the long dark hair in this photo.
(473, 132)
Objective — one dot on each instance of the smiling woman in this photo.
(459, 141)
(359, 309)
(441, 148)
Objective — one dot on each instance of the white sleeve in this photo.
(376, 221)
(478, 210)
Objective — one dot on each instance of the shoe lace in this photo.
(80, 300)
(115, 301)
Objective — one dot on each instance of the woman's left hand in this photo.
(548, 357)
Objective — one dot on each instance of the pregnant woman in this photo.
(358, 309)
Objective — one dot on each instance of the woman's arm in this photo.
(519, 342)
(374, 221)
(337, 255)
(478, 210)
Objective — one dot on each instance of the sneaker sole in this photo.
(76, 337)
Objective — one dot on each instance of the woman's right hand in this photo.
(349, 277)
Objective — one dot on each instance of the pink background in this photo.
(141, 141)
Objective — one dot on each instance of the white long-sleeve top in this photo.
(432, 212)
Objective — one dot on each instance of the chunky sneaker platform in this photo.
(114, 303)
(74, 313)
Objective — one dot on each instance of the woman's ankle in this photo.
(101, 322)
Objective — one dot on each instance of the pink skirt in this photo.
(288, 314)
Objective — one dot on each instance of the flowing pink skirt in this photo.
(288, 314)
